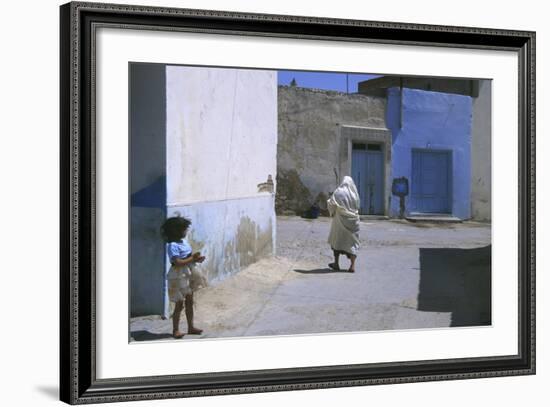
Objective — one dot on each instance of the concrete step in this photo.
(373, 217)
(432, 217)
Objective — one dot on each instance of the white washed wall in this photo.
(221, 143)
(481, 153)
(221, 133)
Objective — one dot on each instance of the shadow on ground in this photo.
(148, 336)
(457, 281)
(320, 271)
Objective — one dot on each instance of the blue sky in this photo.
(323, 80)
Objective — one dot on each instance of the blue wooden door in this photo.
(431, 181)
(367, 171)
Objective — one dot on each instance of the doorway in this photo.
(367, 171)
(431, 181)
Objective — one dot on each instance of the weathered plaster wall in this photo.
(481, 153)
(232, 234)
(437, 121)
(221, 132)
(222, 143)
(147, 187)
(310, 147)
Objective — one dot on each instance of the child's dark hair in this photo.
(172, 228)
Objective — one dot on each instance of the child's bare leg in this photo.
(352, 258)
(176, 320)
(189, 314)
(335, 265)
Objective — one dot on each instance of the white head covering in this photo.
(346, 195)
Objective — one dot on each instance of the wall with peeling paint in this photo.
(221, 140)
(232, 234)
(311, 148)
(422, 119)
(203, 143)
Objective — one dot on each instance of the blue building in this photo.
(432, 127)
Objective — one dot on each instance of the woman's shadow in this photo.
(326, 270)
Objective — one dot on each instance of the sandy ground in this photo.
(407, 276)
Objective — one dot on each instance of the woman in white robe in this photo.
(343, 238)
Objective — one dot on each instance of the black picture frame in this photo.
(78, 382)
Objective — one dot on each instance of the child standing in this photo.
(183, 277)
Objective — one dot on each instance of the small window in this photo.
(374, 147)
(359, 146)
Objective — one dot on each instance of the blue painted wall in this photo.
(147, 187)
(421, 119)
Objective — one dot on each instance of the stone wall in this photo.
(310, 147)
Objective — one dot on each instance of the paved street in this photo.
(408, 275)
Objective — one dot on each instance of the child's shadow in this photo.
(318, 271)
(148, 336)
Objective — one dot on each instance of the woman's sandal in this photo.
(334, 266)
(194, 331)
(177, 335)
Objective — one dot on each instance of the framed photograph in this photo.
(255, 203)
